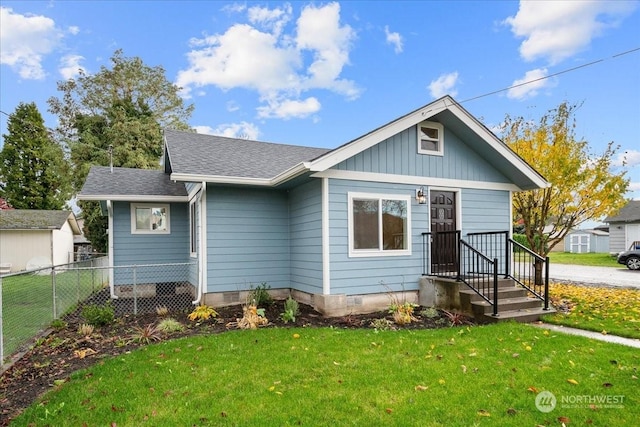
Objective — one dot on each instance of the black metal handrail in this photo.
(530, 270)
(480, 273)
(445, 262)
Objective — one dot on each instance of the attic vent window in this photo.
(430, 138)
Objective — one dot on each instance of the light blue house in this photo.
(338, 229)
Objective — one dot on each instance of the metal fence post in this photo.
(135, 293)
(1, 328)
(53, 286)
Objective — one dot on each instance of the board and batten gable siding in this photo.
(305, 207)
(247, 239)
(375, 274)
(146, 249)
(399, 155)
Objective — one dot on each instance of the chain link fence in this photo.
(30, 301)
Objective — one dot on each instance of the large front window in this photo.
(379, 225)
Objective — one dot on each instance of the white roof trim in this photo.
(132, 198)
(290, 173)
(415, 180)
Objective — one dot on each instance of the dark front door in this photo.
(444, 237)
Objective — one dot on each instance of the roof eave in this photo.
(132, 198)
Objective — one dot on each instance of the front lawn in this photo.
(593, 259)
(607, 310)
(486, 375)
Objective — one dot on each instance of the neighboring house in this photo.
(585, 241)
(36, 238)
(339, 229)
(624, 227)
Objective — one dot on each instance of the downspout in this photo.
(202, 243)
(112, 289)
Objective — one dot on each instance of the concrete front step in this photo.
(521, 316)
(505, 304)
(510, 292)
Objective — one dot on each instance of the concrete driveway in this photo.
(599, 276)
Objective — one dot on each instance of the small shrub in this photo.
(162, 311)
(97, 315)
(259, 296)
(202, 312)
(430, 313)
(169, 325)
(85, 329)
(382, 324)
(291, 310)
(455, 319)
(58, 324)
(146, 335)
(252, 317)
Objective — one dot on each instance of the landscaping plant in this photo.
(291, 310)
(202, 312)
(260, 296)
(99, 315)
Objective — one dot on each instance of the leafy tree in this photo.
(34, 173)
(116, 115)
(583, 186)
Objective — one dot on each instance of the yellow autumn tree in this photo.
(583, 185)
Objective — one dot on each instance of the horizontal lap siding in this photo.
(485, 210)
(142, 249)
(364, 275)
(247, 239)
(305, 204)
(398, 156)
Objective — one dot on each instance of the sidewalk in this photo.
(600, 276)
(630, 342)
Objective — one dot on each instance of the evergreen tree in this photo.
(34, 173)
(116, 114)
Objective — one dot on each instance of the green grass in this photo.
(593, 259)
(487, 375)
(607, 310)
(28, 302)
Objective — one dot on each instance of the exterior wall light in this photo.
(420, 196)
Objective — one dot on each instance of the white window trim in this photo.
(135, 206)
(356, 253)
(433, 125)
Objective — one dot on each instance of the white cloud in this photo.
(261, 56)
(629, 158)
(529, 86)
(25, 40)
(70, 66)
(232, 106)
(444, 85)
(243, 130)
(272, 19)
(74, 30)
(394, 39)
(289, 108)
(556, 30)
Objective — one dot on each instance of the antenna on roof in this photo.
(111, 157)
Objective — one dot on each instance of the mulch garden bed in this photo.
(62, 351)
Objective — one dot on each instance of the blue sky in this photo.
(323, 73)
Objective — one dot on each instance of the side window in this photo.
(193, 238)
(150, 219)
(430, 138)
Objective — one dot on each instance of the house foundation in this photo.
(439, 293)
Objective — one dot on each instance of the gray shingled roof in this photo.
(130, 182)
(197, 154)
(26, 219)
(628, 213)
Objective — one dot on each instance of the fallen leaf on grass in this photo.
(564, 420)
(572, 381)
(420, 388)
(483, 413)
(388, 410)
(464, 369)
(532, 389)
(511, 411)
(607, 385)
